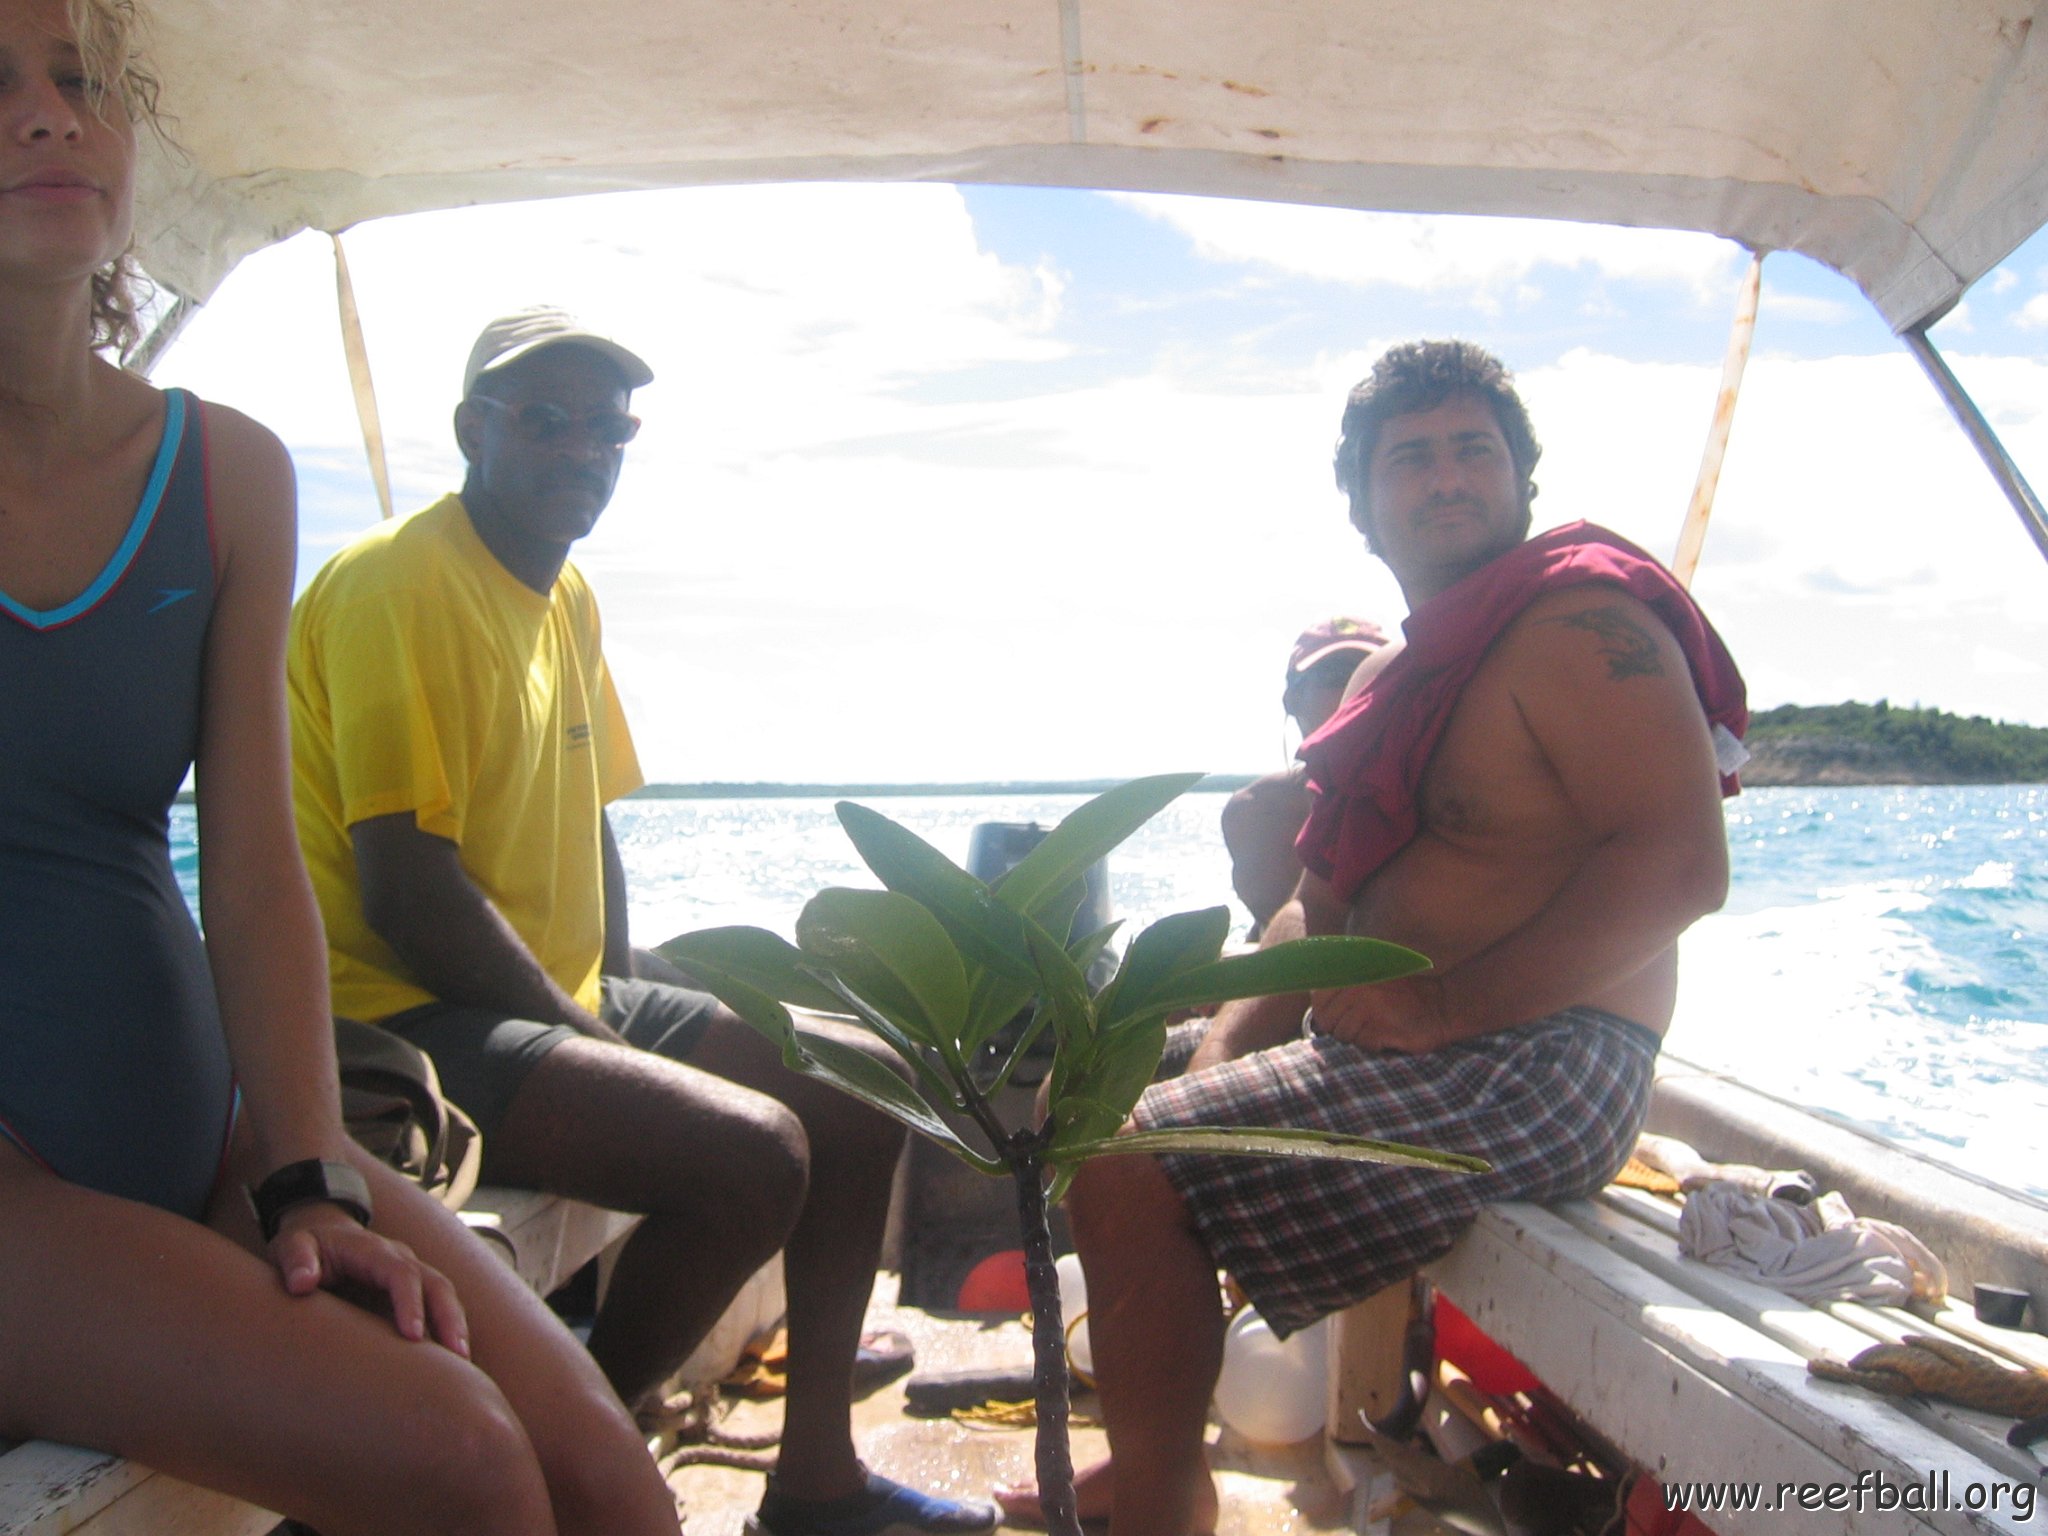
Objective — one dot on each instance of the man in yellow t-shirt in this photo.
(456, 738)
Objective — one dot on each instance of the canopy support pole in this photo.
(358, 354)
(1693, 534)
(2000, 463)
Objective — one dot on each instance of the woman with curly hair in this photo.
(183, 1213)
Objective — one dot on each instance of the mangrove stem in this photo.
(1048, 1340)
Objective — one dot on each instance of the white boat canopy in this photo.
(1901, 142)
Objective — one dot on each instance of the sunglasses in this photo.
(537, 421)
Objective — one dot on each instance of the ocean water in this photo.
(1879, 958)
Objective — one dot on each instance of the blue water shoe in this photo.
(883, 1508)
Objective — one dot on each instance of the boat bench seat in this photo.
(1700, 1376)
(47, 1488)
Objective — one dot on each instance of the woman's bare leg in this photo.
(599, 1476)
(132, 1330)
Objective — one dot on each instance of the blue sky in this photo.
(951, 483)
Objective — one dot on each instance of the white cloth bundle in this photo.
(1821, 1251)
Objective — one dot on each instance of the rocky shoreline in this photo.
(1819, 763)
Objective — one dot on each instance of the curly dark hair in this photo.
(1420, 376)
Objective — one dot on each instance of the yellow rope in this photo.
(1022, 1415)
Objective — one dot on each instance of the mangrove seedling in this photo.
(938, 962)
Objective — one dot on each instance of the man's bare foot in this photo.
(1094, 1491)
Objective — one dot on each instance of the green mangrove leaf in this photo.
(1026, 1038)
(1071, 1062)
(986, 931)
(1266, 1141)
(1300, 965)
(992, 1001)
(1167, 949)
(756, 1008)
(891, 951)
(919, 1056)
(1064, 989)
(1084, 949)
(1082, 837)
(853, 1071)
(755, 956)
(1079, 1121)
(1121, 1066)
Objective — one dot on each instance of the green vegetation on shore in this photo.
(1884, 744)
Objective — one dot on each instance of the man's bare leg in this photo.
(830, 1260)
(1155, 1323)
(718, 1171)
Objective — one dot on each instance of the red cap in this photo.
(1330, 637)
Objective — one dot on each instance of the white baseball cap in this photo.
(513, 336)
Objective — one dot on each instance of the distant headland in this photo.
(1883, 744)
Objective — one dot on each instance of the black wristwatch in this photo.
(304, 1183)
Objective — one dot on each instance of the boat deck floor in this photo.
(1266, 1490)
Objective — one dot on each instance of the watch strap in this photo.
(313, 1180)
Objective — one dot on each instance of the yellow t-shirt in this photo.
(425, 677)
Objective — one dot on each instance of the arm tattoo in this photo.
(1629, 648)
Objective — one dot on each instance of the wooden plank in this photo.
(2020, 1346)
(1367, 1375)
(1919, 1435)
(1587, 1343)
(1839, 1330)
(48, 1489)
(41, 1482)
(163, 1506)
(1601, 1330)
(551, 1237)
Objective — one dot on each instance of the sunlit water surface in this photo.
(1879, 957)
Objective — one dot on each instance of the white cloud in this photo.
(2033, 313)
(829, 557)
(1487, 258)
(1993, 662)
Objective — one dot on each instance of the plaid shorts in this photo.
(1554, 1106)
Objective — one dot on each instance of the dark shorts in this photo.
(482, 1056)
(1554, 1106)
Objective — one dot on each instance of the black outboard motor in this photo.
(993, 849)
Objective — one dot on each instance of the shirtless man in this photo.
(1528, 793)
(1262, 820)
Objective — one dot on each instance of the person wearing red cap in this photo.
(1262, 820)
(456, 739)
(1527, 792)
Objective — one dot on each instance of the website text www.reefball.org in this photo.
(1870, 1493)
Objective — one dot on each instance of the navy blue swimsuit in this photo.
(114, 1071)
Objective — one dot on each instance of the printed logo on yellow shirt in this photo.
(579, 734)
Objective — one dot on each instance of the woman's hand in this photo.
(321, 1247)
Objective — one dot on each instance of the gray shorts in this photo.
(482, 1056)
